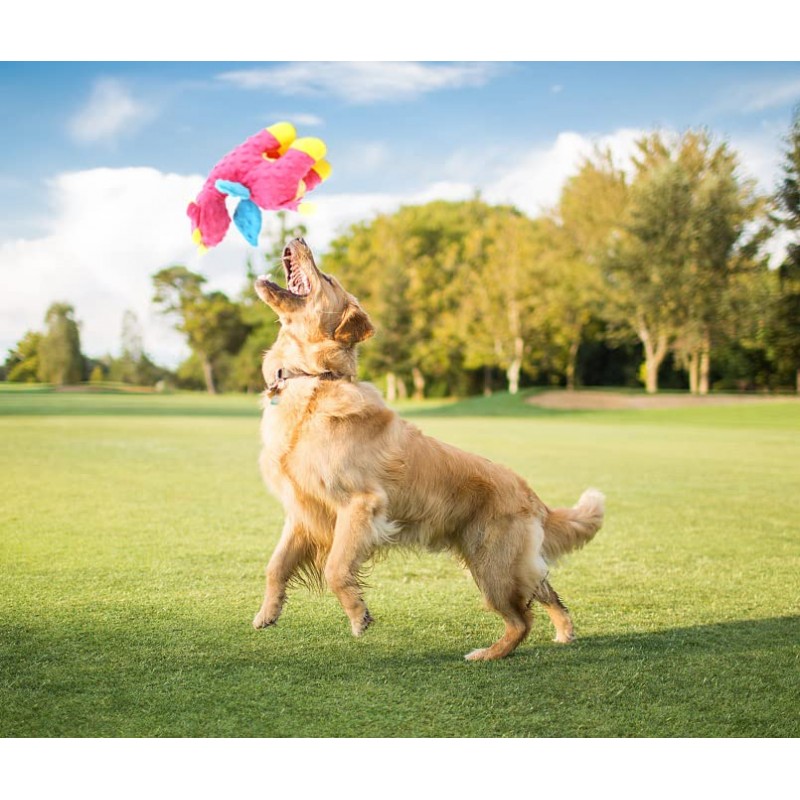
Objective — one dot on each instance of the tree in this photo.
(721, 252)
(60, 358)
(132, 340)
(572, 297)
(404, 267)
(505, 292)
(371, 261)
(589, 219)
(128, 367)
(462, 289)
(22, 364)
(212, 323)
(786, 316)
(261, 323)
(686, 236)
(133, 365)
(743, 355)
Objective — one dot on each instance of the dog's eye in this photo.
(327, 278)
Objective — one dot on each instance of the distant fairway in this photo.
(134, 530)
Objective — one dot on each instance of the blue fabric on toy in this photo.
(247, 216)
(233, 188)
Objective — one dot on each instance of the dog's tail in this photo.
(567, 529)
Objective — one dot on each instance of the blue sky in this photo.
(98, 160)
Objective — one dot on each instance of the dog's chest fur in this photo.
(298, 451)
(281, 429)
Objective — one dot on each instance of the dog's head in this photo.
(320, 322)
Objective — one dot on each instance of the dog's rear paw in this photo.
(359, 627)
(564, 637)
(481, 654)
(262, 620)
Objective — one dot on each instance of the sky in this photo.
(98, 160)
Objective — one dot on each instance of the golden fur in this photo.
(354, 477)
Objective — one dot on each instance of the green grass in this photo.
(134, 530)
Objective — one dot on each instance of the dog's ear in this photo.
(354, 327)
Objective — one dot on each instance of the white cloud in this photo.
(778, 246)
(760, 158)
(363, 82)
(534, 183)
(109, 112)
(750, 98)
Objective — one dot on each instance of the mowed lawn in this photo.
(134, 532)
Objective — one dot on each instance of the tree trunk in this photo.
(391, 387)
(419, 383)
(572, 362)
(694, 364)
(487, 381)
(402, 391)
(654, 353)
(797, 380)
(512, 373)
(208, 374)
(705, 364)
(515, 367)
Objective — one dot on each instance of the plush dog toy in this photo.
(272, 170)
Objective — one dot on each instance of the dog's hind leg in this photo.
(559, 615)
(354, 538)
(513, 608)
(292, 550)
(504, 574)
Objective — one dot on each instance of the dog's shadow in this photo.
(719, 639)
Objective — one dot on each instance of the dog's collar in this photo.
(283, 375)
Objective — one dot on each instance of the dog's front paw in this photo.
(361, 625)
(264, 620)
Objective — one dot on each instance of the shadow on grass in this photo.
(196, 678)
(733, 636)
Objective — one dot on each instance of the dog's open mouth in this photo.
(297, 280)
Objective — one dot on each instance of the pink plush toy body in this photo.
(272, 170)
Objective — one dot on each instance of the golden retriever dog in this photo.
(353, 477)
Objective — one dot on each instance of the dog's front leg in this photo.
(291, 551)
(353, 541)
